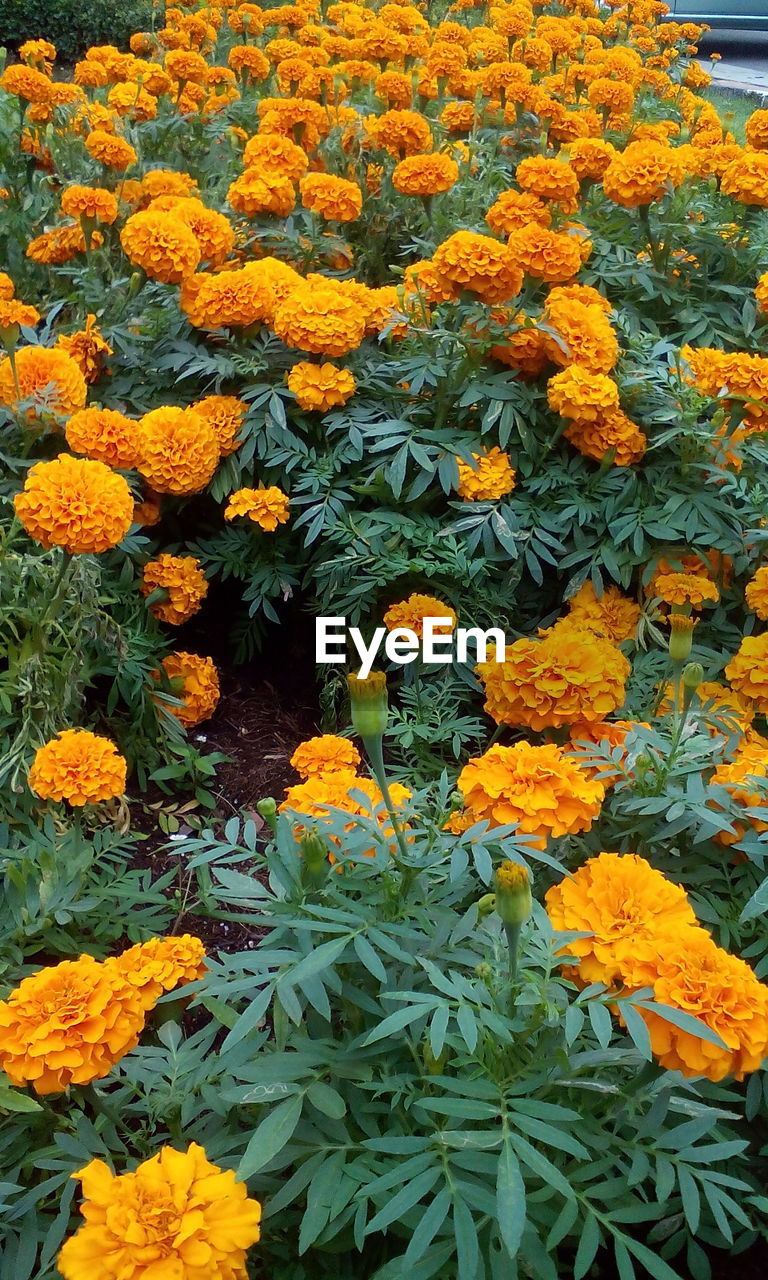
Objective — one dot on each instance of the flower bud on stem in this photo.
(514, 904)
(369, 709)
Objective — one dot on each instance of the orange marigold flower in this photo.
(214, 233)
(540, 789)
(78, 766)
(68, 1024)
(425, 175)
(61, 244)
(178, 450)
(335, 199)
(325, 754)
(183, 582)
(250, 61)
(411, 613)
(490, 479)
(75, 503)
(697, 976)
(265, 507)
(272, 152)
(88, 348)
(640, 174)
(237, 298)
(89, 202)
(195, 681)
(515, 209)
(401, 133)
(320, 386)
(756, 593)
(45, 375)
(110, 150)
(624, 904)
(614, 434)
(26, 82)
(320, 316)
(761, 293)
(167, 182)
(555, 680)
(225, 415)
(15, 314)
(7, 287)
(161, 244)
(746, 179)
(685, 588)
(185, 64)
(582, 396)
(38, 53)
(174, 1209)
(756, 130)
(590, 157)
(321, 792)
(544, 254)
(549, 179)
(106, 436)
(746, 779)
(479, 264)
(160, 965)
(747, 671)
(262, 190)
(611, 614)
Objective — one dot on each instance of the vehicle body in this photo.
(744, 15)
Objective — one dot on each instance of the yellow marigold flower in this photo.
(106, 436)
(26, 82)
(590, 157)
(335, 199)
(161, 244)
(756, 130)
(214, 233)
(185, 64)
(697, 976)
(75, 503)
(549, 179)
(7, 287)
(582, 396)
(184, 583)
(552, 256)
(133, 101)
(265, 507)
(425, 175)
(761, 293)
(756, 593)
(166, 182)
(195, 681)
(555, 680)
(742, 777)
(321, 792)
(78, 766)
(640, 174)
(320, 316)
(325, 754)
(110, 150)
(225, 415)
(88, 348)
(746, 179)
(160, 965)
(250, 61)
(611, 615)
(747, 671)
(238, 298)
(585, 335)
(479, 264)
(38, 53)
(15, 314)
(540, 789)
(562, 295)
(685, 588)
(320, 386)
(624, 904)
(272, 152)
(262, 190)
(515, 209)
(178, 450)
(457, 117)
(68, 1024)
(48, 377)
(90, 74)
(490, 479)
(173, 1210)
(614, 433)
(411, 613)
(89, 202)
(400, 132)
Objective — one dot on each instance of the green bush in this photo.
(71, 25)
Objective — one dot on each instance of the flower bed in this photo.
(384, 313)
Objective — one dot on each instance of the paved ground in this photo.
(744, 63)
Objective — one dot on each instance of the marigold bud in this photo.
(368, 703)
(513, 893)
(486, 905)
(680, 636)
(693, 674)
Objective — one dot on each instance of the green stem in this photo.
(513, 942)
(375, 752)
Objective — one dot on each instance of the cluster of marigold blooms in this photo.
(642, 932)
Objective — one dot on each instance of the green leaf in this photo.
(274, 1132)
(395, 1022)
(428, 1225)
(15, 1100)
(510, 1200)
(405, 1199)
(588, 1247)
(685, 1021)
(467, 1247)
(321, 958)
(327, 1100)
